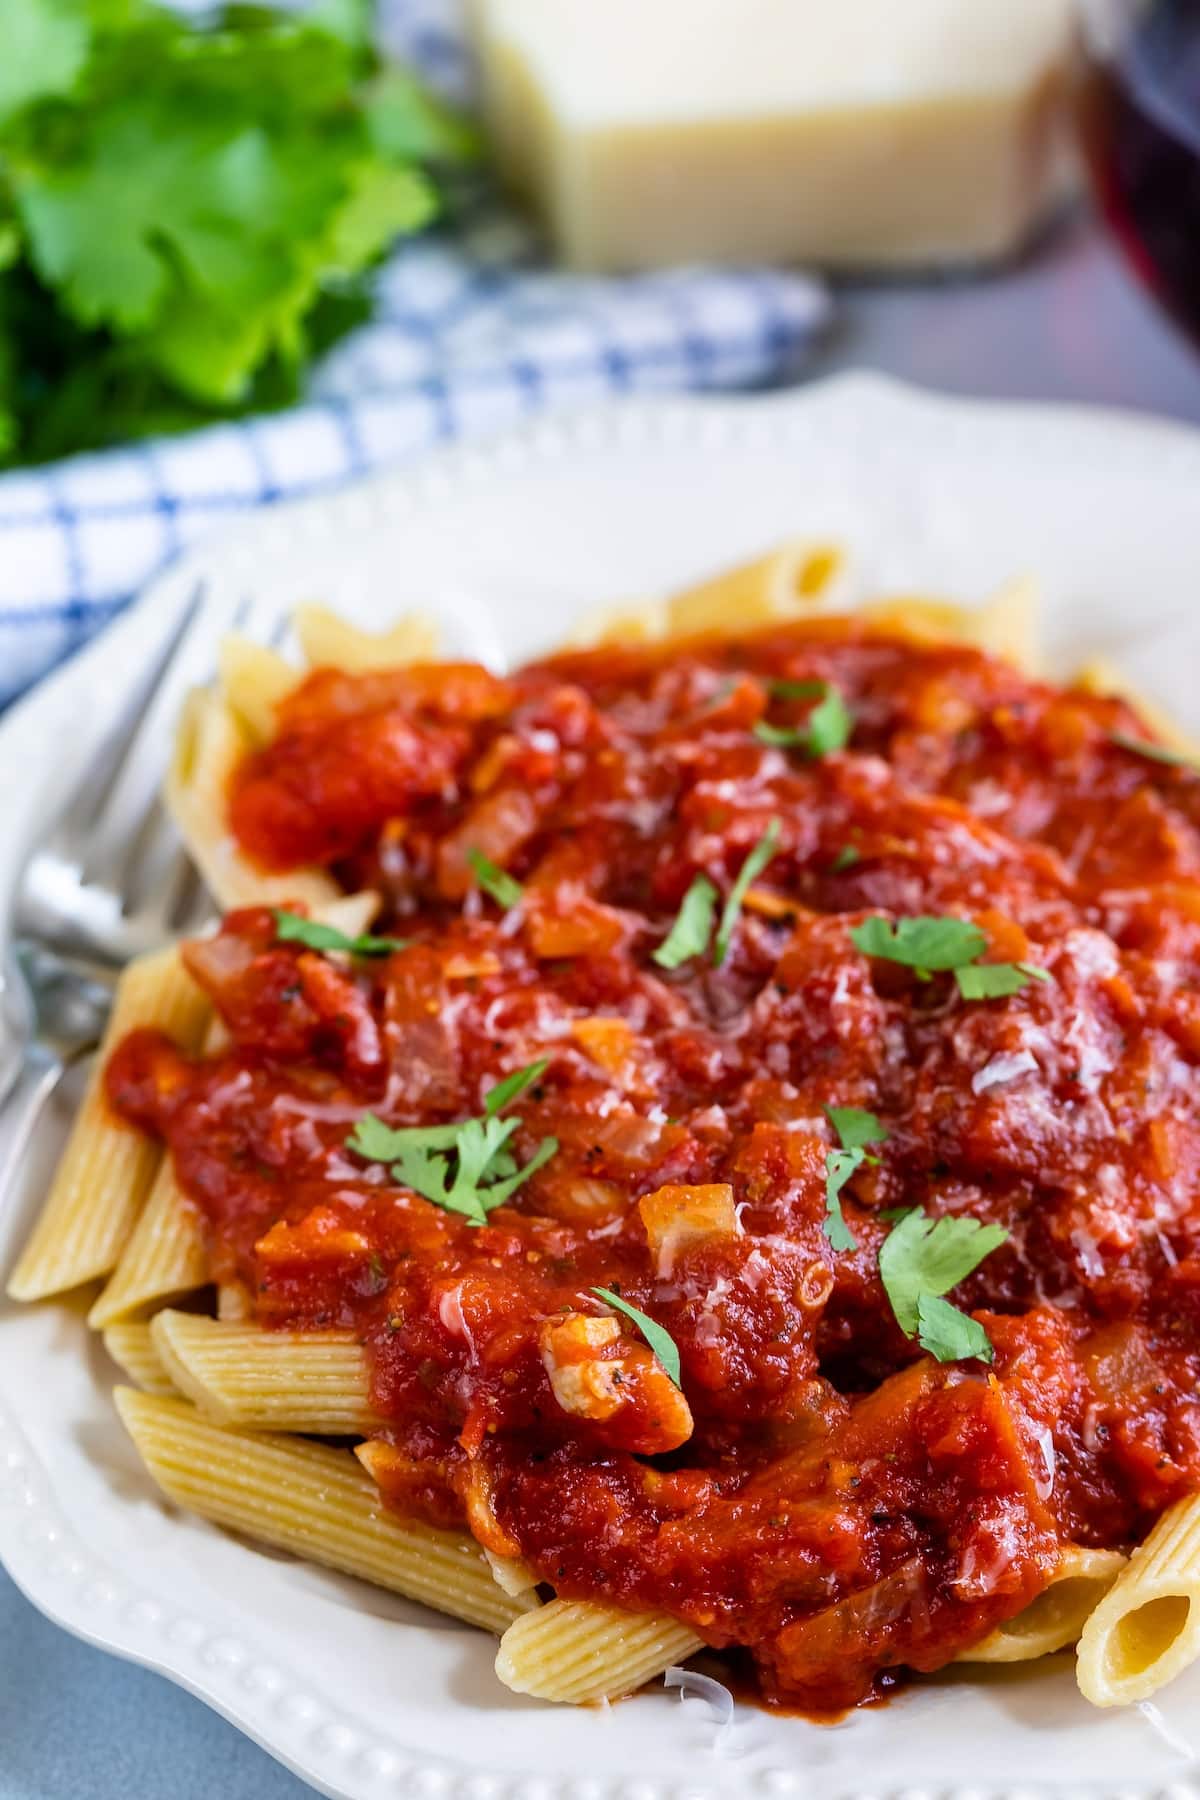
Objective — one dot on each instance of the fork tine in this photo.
(127, 812)
(106, 763)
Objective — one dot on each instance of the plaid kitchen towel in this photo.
(473, 330)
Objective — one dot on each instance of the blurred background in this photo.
(250, 252)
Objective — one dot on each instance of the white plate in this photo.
(366, 1696)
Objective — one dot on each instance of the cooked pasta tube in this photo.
(108, 1165)
(1055, 1619)
(132, 1349)
(1102, 677)
(574, 1651)
(254, 680)
(1006, 626)
(314, 1501)
(209, 744)
(1146, 1630)
(784, 584)
(329, 642)
(165, 1257)
(312, 1381)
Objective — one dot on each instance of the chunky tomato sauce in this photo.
(820, 1492)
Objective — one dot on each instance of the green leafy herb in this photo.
(846, 858)
(949, 1334)
(799, 690)
(749, 873)
(506, 1091)
(1160, 753)
(921, 1259)
(829, 726)
(466, 1168)
(503, 888)
(290, 928)
(659, 1340)
(190, 207)
(856, 1130)
(922, 944)
(693, 925)
(925, 945)
(994, 981)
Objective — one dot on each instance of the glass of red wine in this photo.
(1139, 109)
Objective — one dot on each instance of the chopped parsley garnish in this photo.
(290, 928)
(693, 925)
(995, 981)
(929, 945)
(920, 1260)
(829, 726)
(749, 873)
(846, 858)
(856, 1130)
(466, 1168)
(951, 1335)
(1160, 753)
(799, 690)
(659, 1340)
(503, 888)
(508, 1090)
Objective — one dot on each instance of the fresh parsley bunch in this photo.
(188, 210)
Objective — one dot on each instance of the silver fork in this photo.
(108, 881)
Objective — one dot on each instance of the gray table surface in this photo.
(1067, 324)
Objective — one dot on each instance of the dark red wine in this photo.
(1140, 116)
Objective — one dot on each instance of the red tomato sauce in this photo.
(822, 1493)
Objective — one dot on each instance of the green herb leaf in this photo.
(198, 204)
(799, 690)
(1160, 753)
(840, 1165)
(749, 873)
(466, 1168)
(921, 1255)
(503, 888)
(506, 1091)
(994, 981)
(923, 944)
(829, 726)
(659, 1340)
(290, 928)
(693, 925)
(950, 1335)
(856, 1129)
(846, 858)
(377, 1142)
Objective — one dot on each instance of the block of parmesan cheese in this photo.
(853, 133)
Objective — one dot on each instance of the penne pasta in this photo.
(329, 642)
(1102, 677)
(313, 1381)
(1055, 1619)
(313, 1501)
(254, 680)
(1146, 1629)
(1005, 626)
(346, 1107)
(132, 1349)
(209, 744)
(574, 1651)
(107, 1167)
(165, 1256)
(800, 575)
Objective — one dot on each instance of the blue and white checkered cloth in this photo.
(473, 330)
